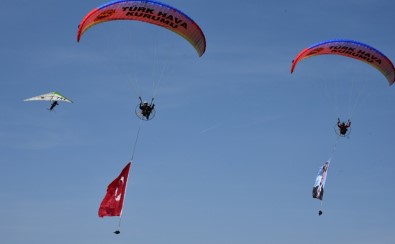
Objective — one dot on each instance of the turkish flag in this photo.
(113, 201)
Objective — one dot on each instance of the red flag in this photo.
(113, 201)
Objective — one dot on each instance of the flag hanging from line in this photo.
(113, 201)
(318, 189)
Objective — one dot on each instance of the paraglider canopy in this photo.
(148, 11)
(351, 49)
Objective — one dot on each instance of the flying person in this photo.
(343, 127)
(146, 109)
(53, 105)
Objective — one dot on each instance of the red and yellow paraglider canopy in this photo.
(352, 49)
(147, 11)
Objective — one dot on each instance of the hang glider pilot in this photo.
(53, 105)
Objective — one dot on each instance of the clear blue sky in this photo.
(236, 143)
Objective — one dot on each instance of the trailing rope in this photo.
(131, 159)
(135, 142)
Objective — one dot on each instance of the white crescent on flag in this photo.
(118, 195)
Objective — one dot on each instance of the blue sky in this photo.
(236, 143)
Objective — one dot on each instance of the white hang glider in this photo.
(53, 97)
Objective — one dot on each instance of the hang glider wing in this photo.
(52, 96)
